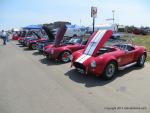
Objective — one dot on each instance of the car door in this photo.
(129, 56)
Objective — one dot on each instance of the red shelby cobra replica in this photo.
(62, 51)
(106, 60)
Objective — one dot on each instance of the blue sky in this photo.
(19, 13)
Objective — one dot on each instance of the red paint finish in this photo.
(103, 55)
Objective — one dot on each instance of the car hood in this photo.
(97, 41)
(60, 34)
(49, 32)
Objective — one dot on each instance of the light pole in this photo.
(113, 11)
(93, 15)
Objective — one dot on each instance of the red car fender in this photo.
(141, 51)
(59, 51)
(48, 47)
(65, 49)
(19, 38)
(77, 54)
(102, 62)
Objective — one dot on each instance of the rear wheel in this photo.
(141, 60)
(110, 70)
(33, 46)
(65, 56)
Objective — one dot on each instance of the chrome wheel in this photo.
(110, 70)
(65, 56)
(33, 46)
(142, 60)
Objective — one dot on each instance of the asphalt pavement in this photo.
(29, 83)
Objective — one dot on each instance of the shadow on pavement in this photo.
(37, 53)
(21, 46)
(18, 44)
(50, 62)
(92, 81)
(27, 49)
(128, 70)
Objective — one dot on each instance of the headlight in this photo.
(93, 64)
(52, 51)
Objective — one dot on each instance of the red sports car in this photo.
(45, 36)
(106, 60)
(62, 51)
(31, 44)
(15, 37)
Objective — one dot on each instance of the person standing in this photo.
(4, 37)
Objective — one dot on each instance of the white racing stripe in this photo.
(90, 44)
(94, 42)
(82, 58)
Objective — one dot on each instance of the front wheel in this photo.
(65, 56)
(33, 46)
(110, 70)
(141, 60)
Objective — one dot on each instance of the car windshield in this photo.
(113, 41)
(121, 43)
(75, 41)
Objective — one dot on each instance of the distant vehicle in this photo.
(62, 51)
(26, 33)
(41, 44)
(103, 60)
(45, 37)
(105, 26)
(73, 30)
(35, 36)
(138, 31)
(29, 35)
(16, 34)
(32, 44)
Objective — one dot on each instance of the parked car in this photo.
(62, 51)
(29, 35)
(32, 44)
(30, 39)
(22, 35)
(105, 61)
(73, 30)
(40, 45)
(15, 34)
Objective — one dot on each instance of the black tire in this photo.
(33, 46)
(110, 70)
(65, 56)
(141, 60)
